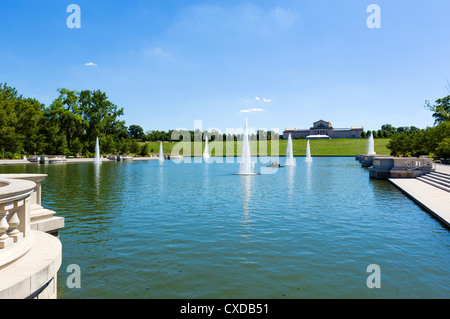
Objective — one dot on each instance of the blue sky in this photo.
(286, 63)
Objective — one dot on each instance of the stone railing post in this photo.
(14, 222)
(5, 240)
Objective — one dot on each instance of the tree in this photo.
(135, 148)
(77, 147)
(125, 147)
(441, 109)
(109, 145)
(388, 128)
(363, 134)
(101, 117)
(20, 122)
(85, 116)
(443, 149)
(136, 132)
(65, 112)
(145, 150)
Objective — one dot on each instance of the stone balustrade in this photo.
(29, 257)
(400, 167)
(41, 218)
(14, 212)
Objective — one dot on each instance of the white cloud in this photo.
(252, 110)
(257, 98)
(90, 64)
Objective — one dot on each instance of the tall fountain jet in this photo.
(371, 146)
(97, 158)
(206, 156)
(246, 167)
(161, 153)
(290, 160)
(308, 154)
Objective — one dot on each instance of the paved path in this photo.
(433, 199)
(443, 168)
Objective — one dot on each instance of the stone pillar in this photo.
(14, 222)
(5, 240)
(38, 192)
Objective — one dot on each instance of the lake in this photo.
(145, 230)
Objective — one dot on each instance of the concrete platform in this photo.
(35, 274)
(433, 199)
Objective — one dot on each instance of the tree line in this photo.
(69, 126)
(432, 141)
(387, 131)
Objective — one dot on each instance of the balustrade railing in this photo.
(14, 218)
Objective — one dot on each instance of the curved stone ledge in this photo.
(14, 252)
(41, 218)
(15, 189)
(36, 269)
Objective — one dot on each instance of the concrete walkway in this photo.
(433, 199)
(443, 168)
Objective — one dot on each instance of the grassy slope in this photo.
(338, 147)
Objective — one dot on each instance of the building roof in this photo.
(318, 137)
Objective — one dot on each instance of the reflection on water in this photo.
(308, 174)
(246, 182)
(97, 167)
(145, 230)
(290, 171)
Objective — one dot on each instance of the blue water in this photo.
(142, 230)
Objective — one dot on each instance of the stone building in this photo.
(324, 129)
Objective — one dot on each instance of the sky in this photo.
(279, 63)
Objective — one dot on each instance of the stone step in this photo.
(439, 178)
(41, 213)
(442, 174)
(433, 183)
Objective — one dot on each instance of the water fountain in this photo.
(290, 160)
(371, 146)
(308, 154)
(161, 153)
(246, 167)
(97, 158)
(206, 156)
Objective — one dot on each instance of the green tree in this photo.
(109, 145)
(136, 132)
(388, 128)
(65, 112)
(441, 109)
(145, 150)
(124, 147)
(101, 117)
(135, 148)
(77, 147)
(443, 149)
(20, 123)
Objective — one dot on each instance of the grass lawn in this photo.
(337, 147)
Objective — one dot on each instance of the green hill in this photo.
(337, 147)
